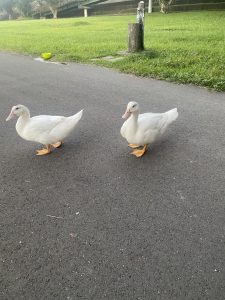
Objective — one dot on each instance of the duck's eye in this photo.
(17, 108)
(134, 105)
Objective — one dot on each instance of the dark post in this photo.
(136, 31)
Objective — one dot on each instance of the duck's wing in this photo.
(152, 121)
(43, 124)
(157, 121)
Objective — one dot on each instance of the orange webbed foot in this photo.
(141, 152)
(58, 144)
(133, 145)
(44, 151)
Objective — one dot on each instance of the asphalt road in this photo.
(126, 228)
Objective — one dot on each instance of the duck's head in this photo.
(132, 107)
(17, 111)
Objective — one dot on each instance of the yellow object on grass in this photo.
(46, 56)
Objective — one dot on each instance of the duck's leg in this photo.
(139, 153)
(133, 145)
(58, 144)
(44, 151)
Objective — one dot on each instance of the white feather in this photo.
(145, 128)
(45, 129)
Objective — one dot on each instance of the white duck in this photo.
(143, 129)
(47, 130)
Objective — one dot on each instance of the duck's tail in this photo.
(172, 115)
(169, 117)
(73, 120)
(63, 129)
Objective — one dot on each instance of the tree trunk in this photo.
(54, 11)
(10, 14)
(162, 8)
(164, 5)
(135, 37)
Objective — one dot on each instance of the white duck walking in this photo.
(143, 129)
(47, 130)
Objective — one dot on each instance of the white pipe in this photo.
(149, 6)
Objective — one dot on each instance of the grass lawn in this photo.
(182, 47)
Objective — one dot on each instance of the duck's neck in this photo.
(23, 120)
(133, 120)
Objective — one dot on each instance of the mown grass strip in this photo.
(181, 47)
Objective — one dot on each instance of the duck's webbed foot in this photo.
(139, 153)
(58, 144)
(44, 151)
(133, 145)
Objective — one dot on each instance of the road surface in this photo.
(91, 221)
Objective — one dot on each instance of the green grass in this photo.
(181, 47)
